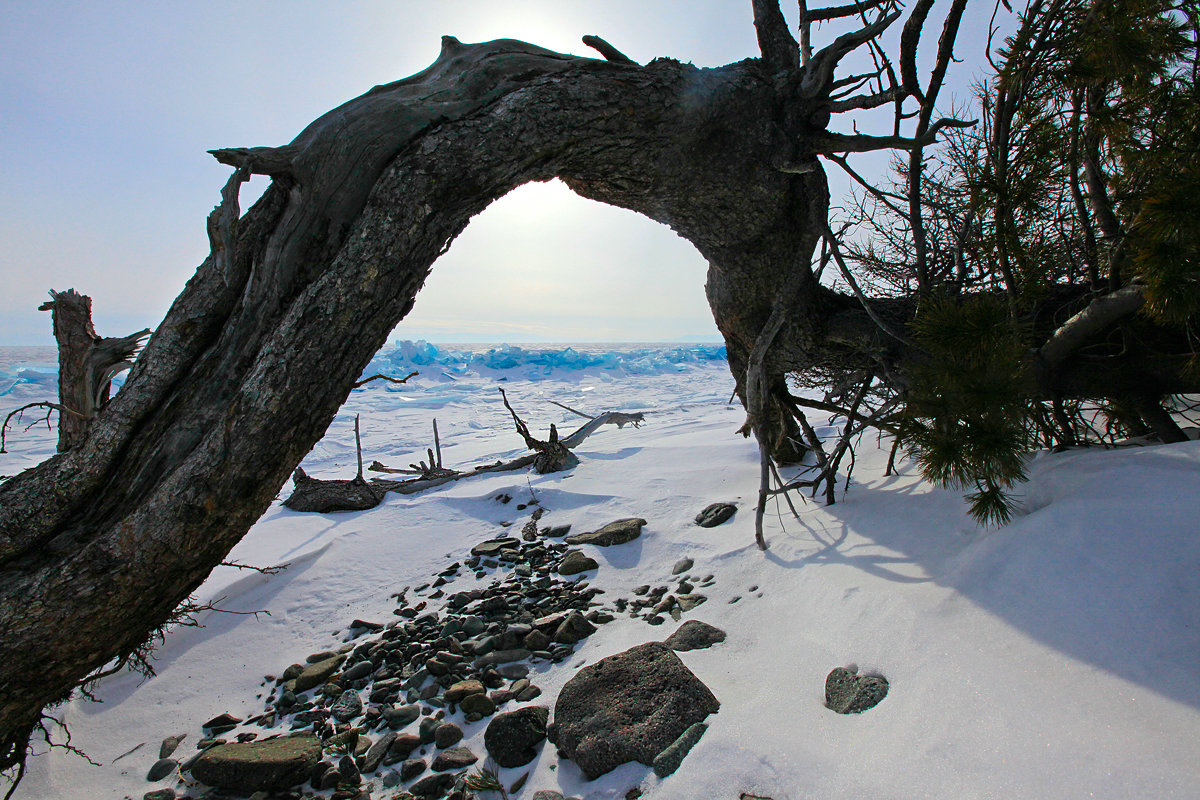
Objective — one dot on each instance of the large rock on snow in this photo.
(619, 532)
(847, 693)
(628, 707)
(715, 514)
(694, 635)
(252, 766)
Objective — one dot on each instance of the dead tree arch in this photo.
(99, 544)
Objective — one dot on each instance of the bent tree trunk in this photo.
(99, 544)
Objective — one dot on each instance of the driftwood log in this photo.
(100, 543)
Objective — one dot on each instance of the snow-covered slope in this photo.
(1058, 657)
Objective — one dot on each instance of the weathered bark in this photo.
(99, 544)
(87, 363)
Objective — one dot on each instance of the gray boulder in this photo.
(715, 514)
(619, 532)
(848, 693)
(694, 635)
(576, 562)
(513, 739)
(666, 762)
(628, 707)
(316, 674)
(250, 766)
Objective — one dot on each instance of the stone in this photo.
(269, 764)
(689, 601)
(575, 563)
(536, 640)
(434, 785)
(391, 779)
(848, 693)
(412, 768)
(360, 670)
(512, 739)
(694, 635)
(715, 514)
(376, 752)
(501, 657)
(161, 769)
(619, 532)
(666, 762)
(399, 716)
(348, 706)
(628, 707)
(348, 770)
(160, 794)
(548, 794)
(169, 745)
(454, 758)
(316, 674)
(682, 565)
(402, 747)
(556, 531)
(574, 628)
(447, 734)
(479, 704)
(221, 724)
(463, 689)
(493, 546)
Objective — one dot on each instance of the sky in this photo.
(107, 110)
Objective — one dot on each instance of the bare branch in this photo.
(365, 381)
(263, 570)
(1098, 315)
(839, 12)
(866, 304)
(817, 77)
(866, 100)
(609, 52)
(43, 404)
(909, 39)
(830, 142)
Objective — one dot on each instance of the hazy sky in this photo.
(107, 109)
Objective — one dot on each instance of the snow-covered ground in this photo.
(1058, 657)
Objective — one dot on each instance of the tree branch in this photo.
(817, 77)
(381, 377)
(779, 50)
(609, 52)
(1099, 314)
(839, 12)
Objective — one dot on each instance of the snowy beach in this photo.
(1056, 657)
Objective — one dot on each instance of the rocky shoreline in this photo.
(383, 715)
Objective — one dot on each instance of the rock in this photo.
(221, 724)
(575, 563)
(512, 739)
(391, 779)
(269, 764)
(666, 762)
(434, 785)
(493, 546)
(502, 657)
(536, 640)
(573, 629)
(556, 531)
(694, 635)
(323, 497)
(412, 768)
(348, 770)
(454, 758)
(316, 674)
(628, 707)
(169, 744)
(360, 670)
(463, 689)
(427, 728)
(619, 532)
(161, 769)
(847, 693)
(479, 704)
(399, 716)
(377, 751)
(682, 565)
(160, 794)
(689, 601)
(348, 706)
(548, 794)
(447, 734)
(402, 747)
(715, 514)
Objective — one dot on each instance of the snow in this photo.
(1056, 657)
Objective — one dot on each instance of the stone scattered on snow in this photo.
(270, 764)
(512, 739)
(619, 532)
(169, 745)
(666, 762)
(694, 635)
(576, 562)
(161, 769)
(682, 565)
(848, 693)
(715, 514)
(454, 758)
(348, 706)
(628, 707)
(316, 674)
